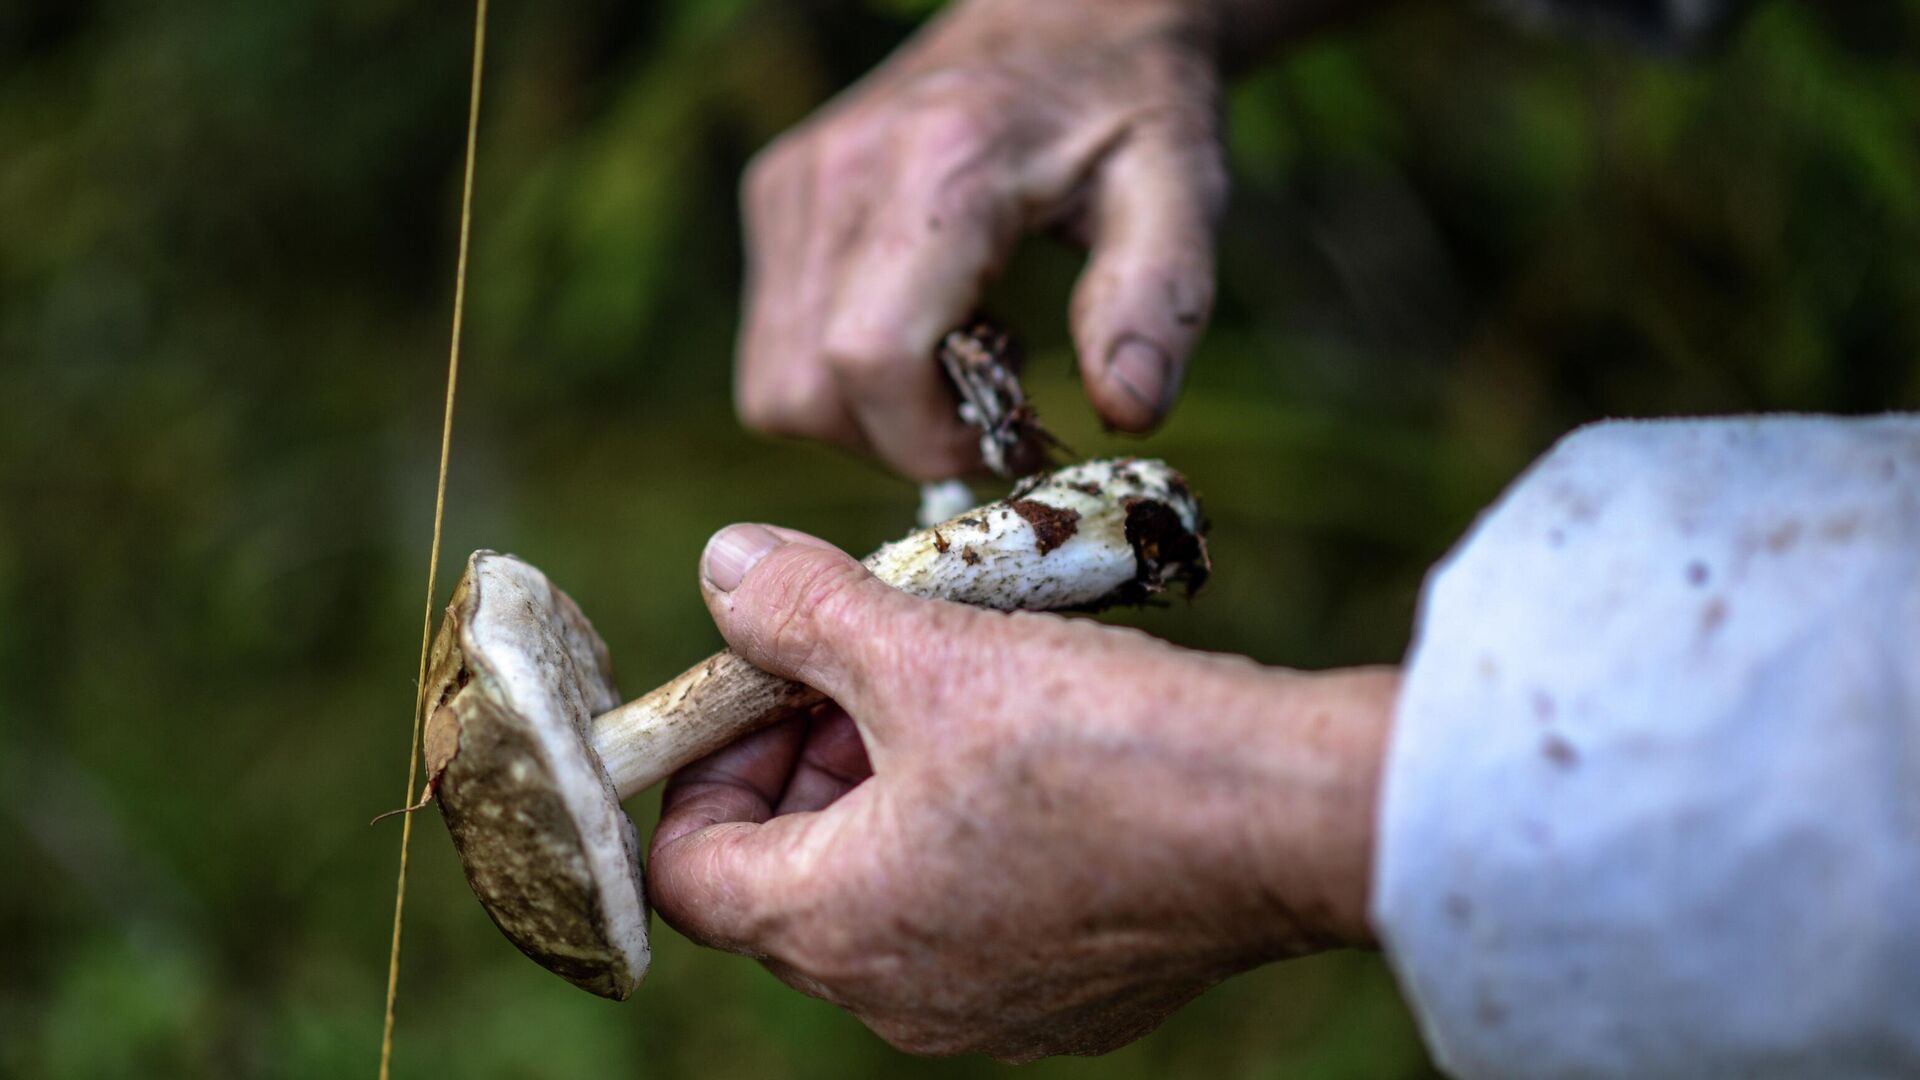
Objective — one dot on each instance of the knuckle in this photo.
(1167, 296)
(762, 411)
(974, 197)
(1189, 297)
(820, 603)
(797, 402)
(961, 123)
(865, 347)
(956, 153)
(771, 171)
(843, 156)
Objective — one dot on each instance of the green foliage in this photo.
(225, 243)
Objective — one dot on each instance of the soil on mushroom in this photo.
(1052, 525)
(1162, 541)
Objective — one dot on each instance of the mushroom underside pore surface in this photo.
(529, 751)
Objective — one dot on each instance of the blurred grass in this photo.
(225, 243)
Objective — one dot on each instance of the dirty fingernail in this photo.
(733, 551)
(1141, 369)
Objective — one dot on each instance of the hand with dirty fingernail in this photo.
(1016, 835)
(876, 226)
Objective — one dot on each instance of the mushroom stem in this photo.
(701, 710)
(1084, 537)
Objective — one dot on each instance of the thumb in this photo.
(1147, 291)
(800, 608)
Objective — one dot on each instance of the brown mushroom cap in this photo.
(518, 676)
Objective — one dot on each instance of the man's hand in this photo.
(873, 228)
(1024, 835)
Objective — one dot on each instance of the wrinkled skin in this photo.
(872, 228)
(1017, 835)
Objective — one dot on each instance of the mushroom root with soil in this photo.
(529, 751)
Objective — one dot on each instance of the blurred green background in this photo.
(226, 239)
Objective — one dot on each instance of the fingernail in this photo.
(1141, 369)
(733, 551)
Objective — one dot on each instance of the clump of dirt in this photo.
(1164, 549)
(1052, 525)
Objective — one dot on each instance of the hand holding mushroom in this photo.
(1069, 829)
(529, 752)
(1014, 834)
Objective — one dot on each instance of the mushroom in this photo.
(529, 751)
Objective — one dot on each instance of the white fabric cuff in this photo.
(1652, 799)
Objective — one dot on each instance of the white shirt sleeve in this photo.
(1652, 798)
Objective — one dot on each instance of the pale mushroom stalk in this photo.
(529, 753)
